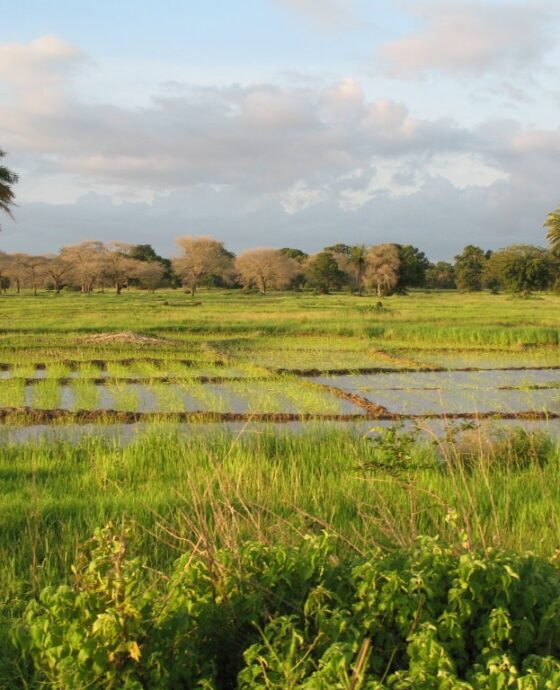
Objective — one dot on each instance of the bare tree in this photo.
(15, 269)
(266, 268)
(87, 259)
(34, 271)
(149, 274)
(203, 256)
(56, 268)
(382, 269)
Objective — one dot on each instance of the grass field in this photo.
(204, 484)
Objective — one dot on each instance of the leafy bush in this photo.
(393, 450)
(298, 617)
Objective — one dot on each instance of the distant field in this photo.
(234, 417)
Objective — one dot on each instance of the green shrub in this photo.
(298, 617)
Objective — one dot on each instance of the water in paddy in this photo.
(456, 391)
(244, 398)
(123, 434)
(412, 393)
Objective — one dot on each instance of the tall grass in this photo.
(269, 485)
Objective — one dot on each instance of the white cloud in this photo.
(308, 164)
(473, 37)
(37, 74)
(260, 137)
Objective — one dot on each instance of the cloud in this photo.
(330, 15)
(261, 138)
(308, 164)
(438, 217)
(473, 37)
(37, 74)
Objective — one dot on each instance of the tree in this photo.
(339, 248)
(521, 268)
(7, 180)
(382, 269)
(34, 270)
(203, 256)
(118, 267)
(87, 260)
(356, 261)
(323, 273)
(552, 222)
(143, 252)
(413, 267)
(4, 279)
(56, 269)
(440, 276)
(149, 274)
(266, 268)
(469, 266)
(296, 254)
(15, 269)
(147, 254)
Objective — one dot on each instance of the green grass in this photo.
(276, 483)
(495, 320)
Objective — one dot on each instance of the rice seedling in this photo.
(168, 397)
(85, 395)
(89, 370)
(124, 396)
(26, 370)
(45, 394)
(207, 397)
(56, 370)
(118, 370)
(311, 400)
(12, 393)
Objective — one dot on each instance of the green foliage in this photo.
(296, 254)
(469, 266)
(323, 273)
(552, 223)
(413, 267)
(298, 617)
(520, 268)
(7, 180)
(393, 450)
(440, 276)
(145, 252)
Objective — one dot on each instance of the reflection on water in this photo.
(124, 434)
(456, 392)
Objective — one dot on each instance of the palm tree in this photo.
(357, 258)
(552, 222)
(7, 179)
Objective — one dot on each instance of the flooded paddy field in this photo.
(207, 384)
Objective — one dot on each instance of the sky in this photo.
(273, 123)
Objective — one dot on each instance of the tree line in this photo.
(380, 269)
(383, 268)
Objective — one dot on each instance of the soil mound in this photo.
(125, 337)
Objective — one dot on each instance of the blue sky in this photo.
(281, 122)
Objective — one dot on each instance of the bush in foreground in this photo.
(298, 617)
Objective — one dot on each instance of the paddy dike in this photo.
(31, 416)
(103, 364)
